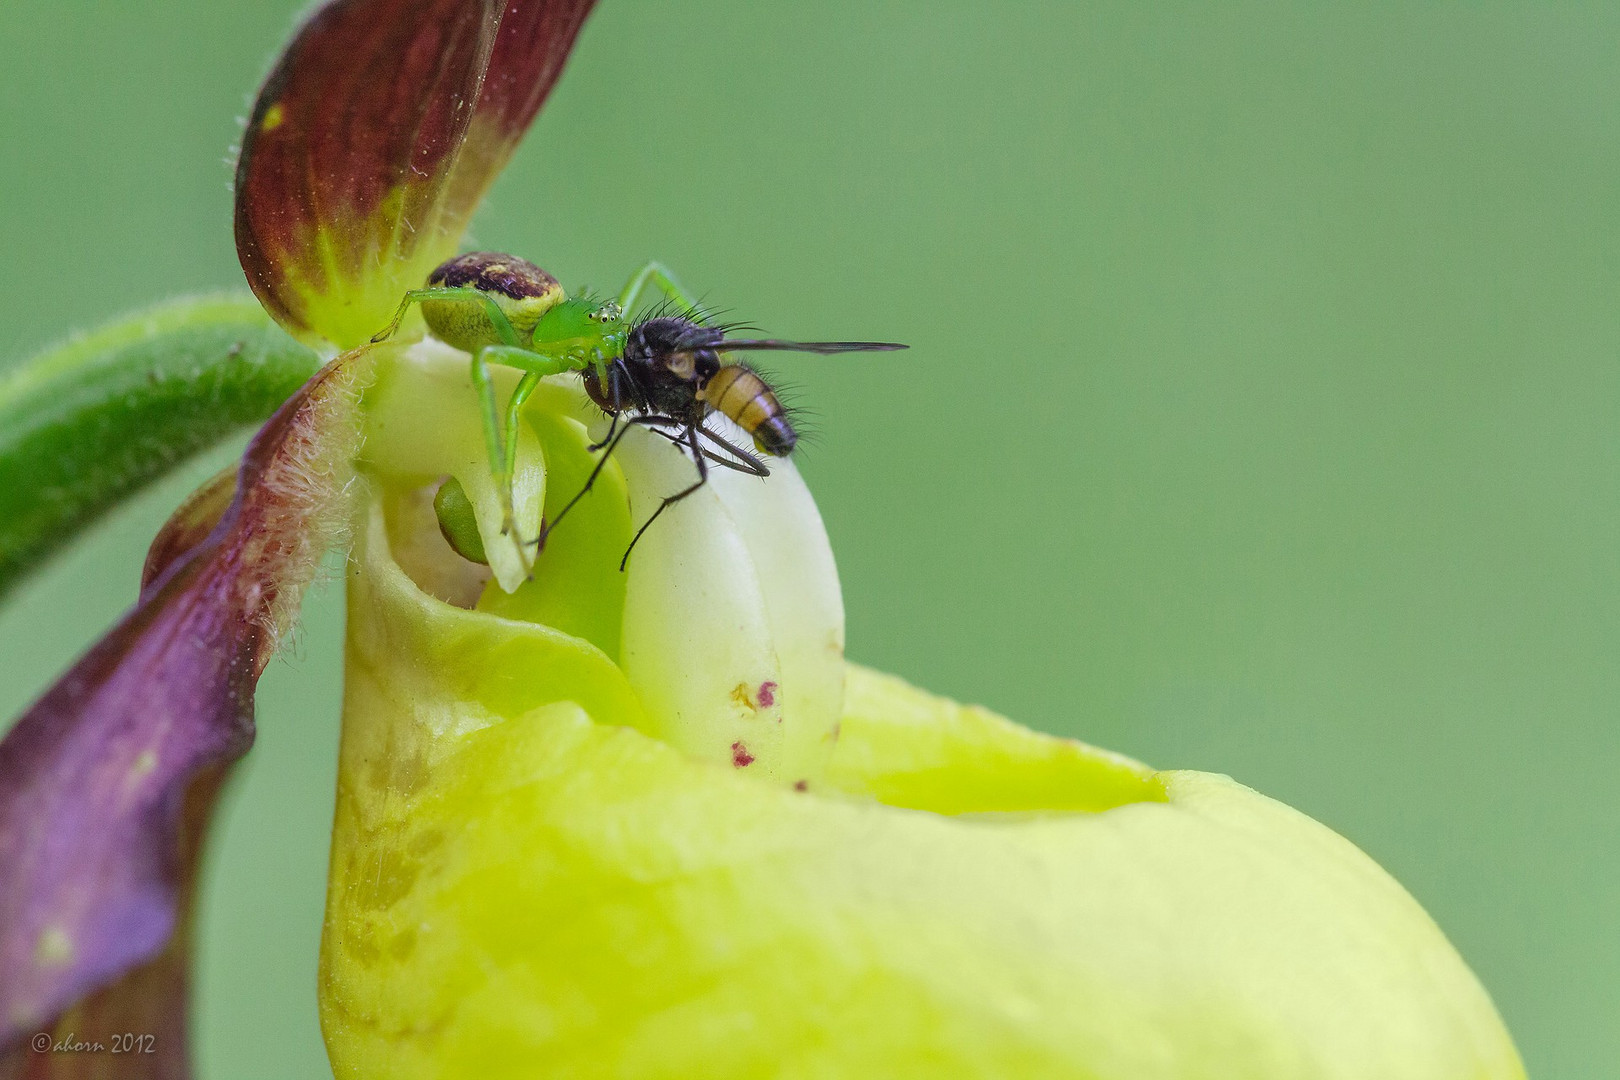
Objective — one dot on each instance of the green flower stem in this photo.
(89, 423)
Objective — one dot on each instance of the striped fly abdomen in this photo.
(736, 391)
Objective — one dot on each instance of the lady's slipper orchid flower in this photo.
(643, 824)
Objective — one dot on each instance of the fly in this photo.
(666, 373)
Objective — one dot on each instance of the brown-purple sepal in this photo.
(530, 50)
(106, 783)
(372, 141)
(136, 1027)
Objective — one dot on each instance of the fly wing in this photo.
(371, 142)
(823, 347)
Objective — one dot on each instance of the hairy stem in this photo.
(87, 424)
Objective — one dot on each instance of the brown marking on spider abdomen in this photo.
(521, 290)
(492, 272)
(737, 391)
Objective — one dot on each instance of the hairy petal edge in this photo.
(106, 783)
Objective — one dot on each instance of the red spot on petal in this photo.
(740, 757)
(801, 785)
(766, 695)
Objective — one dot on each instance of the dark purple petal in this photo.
(107, 781)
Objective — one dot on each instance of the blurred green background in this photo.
(1260, 416)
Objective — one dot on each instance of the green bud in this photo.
(458, 521)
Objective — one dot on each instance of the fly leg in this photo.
(743, 461)
(608, 445)
(701, 460)
(616, 403)
(735, 458)
(613, 426)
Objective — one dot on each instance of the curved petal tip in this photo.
(372, 141)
